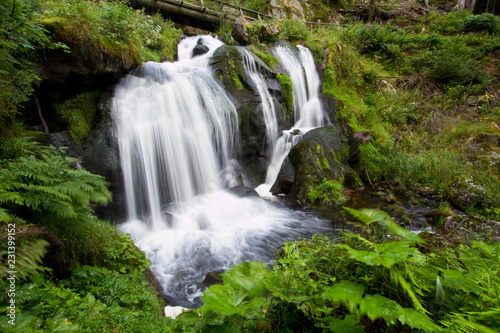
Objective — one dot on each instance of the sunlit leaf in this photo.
(347, 292)
(248, 276)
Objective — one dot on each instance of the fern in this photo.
(29, 256)
(50, 186)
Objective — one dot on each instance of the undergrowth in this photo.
(384, 279)
(111, 28)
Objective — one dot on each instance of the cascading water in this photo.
(308, 111)
(178, 136)
(266, 98)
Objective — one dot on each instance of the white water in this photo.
(308, 110)
(267, 101)
(178, 136)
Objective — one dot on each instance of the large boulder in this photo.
(464, 193)
(319, 169)
(227, 63)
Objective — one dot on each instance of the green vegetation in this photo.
(80, 113)
(93, 280)
(267, 57)
(326, 191)
(111, 28)
(425, 90)
(385, 279)
(293, 30)
(286, 85)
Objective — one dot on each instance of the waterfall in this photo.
(177, 132)
(159, 110)
(307, 108)
(266, 98)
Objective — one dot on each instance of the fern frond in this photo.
(29, 256)
(398, 279)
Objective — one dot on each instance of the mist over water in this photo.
(178, 136)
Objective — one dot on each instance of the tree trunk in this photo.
(372, 9)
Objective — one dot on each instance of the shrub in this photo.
(453, 64)
(112, 28)
(293, 30)
(483, 22)
(451, 23)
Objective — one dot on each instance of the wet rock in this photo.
(100, 156)
(243, 191)
(200, 48)
(463, 193)
(285, 179)
(228, 67)
(214, 277)
(64, 140)
(399, 211)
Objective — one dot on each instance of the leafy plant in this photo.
(484, 21)
(327, 191)
(111, 28)
(293, 30)
(80, 113)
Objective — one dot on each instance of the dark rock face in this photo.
(64, 140)
(100, 156)
(212, 278)
(243, 191)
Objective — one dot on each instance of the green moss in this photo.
(80, 113)
(326, 191)
(287, 89)
(235, 76)
(321, 160)
(268, 58)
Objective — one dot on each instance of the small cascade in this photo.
(177, 132)
(308, 110)
(266, 98)
(311, 115)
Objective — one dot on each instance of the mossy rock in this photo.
(464, 194)
(227, 63)
(319, 170)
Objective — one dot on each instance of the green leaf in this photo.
(347, 292)
(346, 325)
(385, 254)
(226, 300)
(378, 306)
(454, 279)
(369, 216)
(248, 276)
(61, 325)
(418, 320)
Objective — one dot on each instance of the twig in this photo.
(45, 127)
(367, 175)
